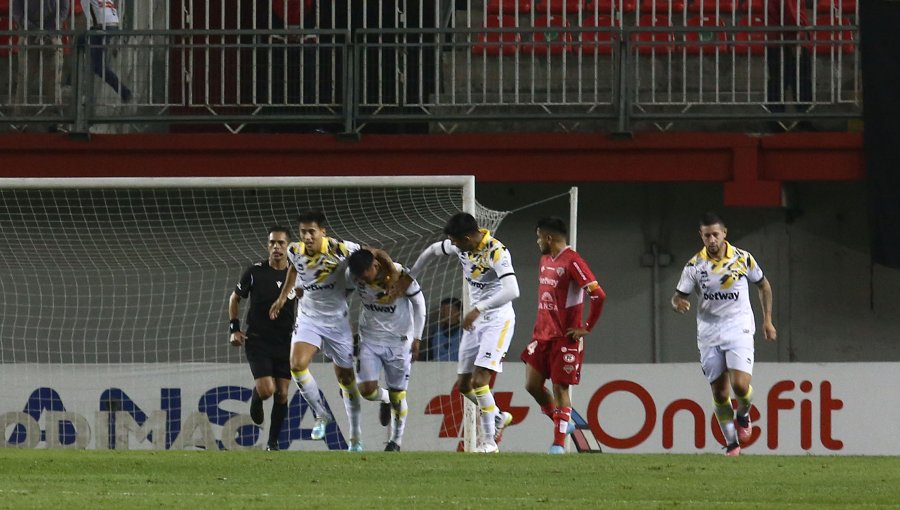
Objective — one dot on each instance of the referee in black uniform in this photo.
(267, 342)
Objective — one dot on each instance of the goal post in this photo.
(126, 279)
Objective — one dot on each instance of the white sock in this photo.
(379, 395)
(352, 404)
(310, 391)
(725, 415)
(399, 410)
(488, 411)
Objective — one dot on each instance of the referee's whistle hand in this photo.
(238, 338)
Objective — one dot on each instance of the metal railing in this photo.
(611, 78)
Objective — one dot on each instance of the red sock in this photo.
(560, 424)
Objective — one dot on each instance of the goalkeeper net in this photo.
(131, 275)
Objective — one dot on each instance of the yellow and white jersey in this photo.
(483, 268)
(723, 294)
(321, 276)
(382, 320)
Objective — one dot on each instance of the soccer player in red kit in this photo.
(557, 348)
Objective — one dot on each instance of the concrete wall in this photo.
(831, 303)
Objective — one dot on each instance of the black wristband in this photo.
(234, 326)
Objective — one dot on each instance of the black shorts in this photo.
(268, 357)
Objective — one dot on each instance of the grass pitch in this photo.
(73, 479)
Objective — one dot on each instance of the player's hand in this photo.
(414, 350)
(276, 307)
(576, 333)
(398, 287)
(238, 338)
(681, 305)
(470, 318)
(770, 332)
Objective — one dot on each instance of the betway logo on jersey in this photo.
(721, 296)
(476, 284)
(380, 308)
(316, 286)
(553, 282)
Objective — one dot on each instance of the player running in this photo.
(557, 348)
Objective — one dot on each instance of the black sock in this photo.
(278, 413)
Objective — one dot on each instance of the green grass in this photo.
(304, 480)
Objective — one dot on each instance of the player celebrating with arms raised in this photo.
(725, 325)
(557, 350)
(321, 262)
(488, 326)
(390, 332)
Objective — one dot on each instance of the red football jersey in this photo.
(561, 294)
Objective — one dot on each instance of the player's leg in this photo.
(566, 360)
(370, 363)
(739, 359)
(493, 337)
(712, 361)
(468, 351)
(305, 343)
(537, 371)
(338, 345)
(397, 367)
(279, 409)
(261, 367)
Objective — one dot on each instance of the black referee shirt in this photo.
(263, 284)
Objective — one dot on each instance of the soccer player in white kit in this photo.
(488, 326)
(719, 274)
(320, 262)
(390, 332)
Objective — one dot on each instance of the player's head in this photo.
(279, 237)
(451, 310)
(312, 229)
(549, 230)
(462, 230)
(713, 233)
(363, 265)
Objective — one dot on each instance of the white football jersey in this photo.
(483, 268)
(321, 276)
(723, 294)
(382, 321)
(100, 12)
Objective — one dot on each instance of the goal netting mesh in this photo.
(107, 289)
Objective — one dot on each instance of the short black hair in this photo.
(711, 218)
(553, 224)
(452, 301)
(279, 228)
(460, 224)
(360, 261)
(317, 217)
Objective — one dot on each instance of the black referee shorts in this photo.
(268, 357)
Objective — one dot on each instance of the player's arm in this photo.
(386, 263)
(234, 321)
(679, 301)
(289, 281)
(509, 290)
(765, 300)
(417, 299)
(596, 298)
(426, 257)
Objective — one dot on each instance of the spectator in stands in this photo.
(789, 62)
(103, 15)
(40, 56)
(443, 341)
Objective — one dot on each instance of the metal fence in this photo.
(448, 66)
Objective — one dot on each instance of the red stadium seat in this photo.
(561, 7)
(752, 7)
(608, 7)
(8, 43)
(751, 43)
(844, 7)
(711, 6)
(548, 39)
(509, 7)
(599, 42)
(495, 43)
(650, 43)
(662, 7)
(705, 42)
(838, 41)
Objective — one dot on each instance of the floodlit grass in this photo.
(220, 480)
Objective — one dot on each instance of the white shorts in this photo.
(486, 344)
(395, 359)
(736, 354)
(336, 342)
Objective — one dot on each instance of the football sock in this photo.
(278, 412)
(310, 391)
(379, 395)
(399, 410)
(352, 404)
(471, 396)
(488, 410)
(744, 402)
(725, 415)
(561, 424)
